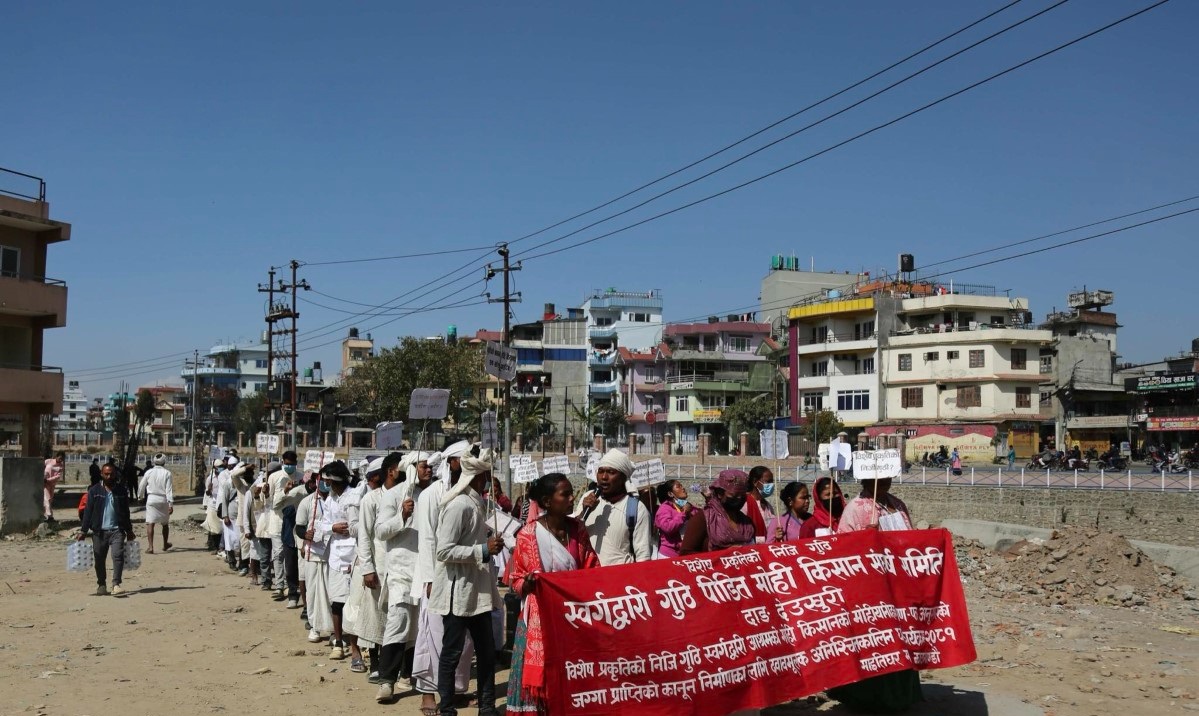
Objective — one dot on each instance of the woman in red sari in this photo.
(555, 542)
(826, 512)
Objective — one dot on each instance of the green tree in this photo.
(748, 415)
(250, 415)
(827, 425)
(143, 409)
(604, 418)
(529, 419)
(381, 388)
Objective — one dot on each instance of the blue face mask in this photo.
(681, 502)
(289, 469)
(767, 489)
(322, 487)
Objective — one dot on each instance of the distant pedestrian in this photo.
(955, 462)
(50, 479)
(93, 470)
(1011, 457)
(107, 518)
(156, 488)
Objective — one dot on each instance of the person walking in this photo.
(156, 487)
(51, 475)
(464, 587)
(107, 518)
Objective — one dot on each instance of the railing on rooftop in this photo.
(894, 286)
(609, 293)
(946, 328)
(10, 175)
(30, 366)
(30, 277)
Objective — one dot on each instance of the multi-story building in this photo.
(629, 319)
(73, 418)
(355, 350)
(834, 347)
(1090, 406)
(1165, 394)
(788, 283)
(114, 403)
(490, 389)
(551, 370)
(709, 366)
(30, 303)
(226, 374)
(170, 408)
(644, 396)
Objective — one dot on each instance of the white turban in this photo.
(618, 461)
(472, 467)
(374, 466)
(160, 459)
(458, 449)
(408, 463)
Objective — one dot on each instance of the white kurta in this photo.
(609, 531)
(366, 610)
(313, 568)
(430, 629)
(342, 548)
(157, 488)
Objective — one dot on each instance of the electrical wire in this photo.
(851, 139)
(400, 256)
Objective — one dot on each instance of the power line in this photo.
(853, 138)
(400, 256)
(130, 363)
(801, 130)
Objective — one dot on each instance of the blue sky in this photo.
(193, 146)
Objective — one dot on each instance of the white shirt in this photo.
(425, 517)
(372, 552)
(278, 500)
(401, 540)
(610, 533)
(157, 482)
(463, 583)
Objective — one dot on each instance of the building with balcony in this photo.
(1165, 400)
(355, 350)
(629, 319)
(788, 283)
(641, 376)
(30, 303)
(552, 370)
(707, 367)
(489, 390)
(225, 375)
(834, 359)
(73, 418)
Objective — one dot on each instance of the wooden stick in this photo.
(877, 510)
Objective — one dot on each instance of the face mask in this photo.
(767, 489)
(734, 504)
(681, 502)
(322, 487)
(289, 469)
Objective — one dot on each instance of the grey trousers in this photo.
(103, 542)
(278, 565)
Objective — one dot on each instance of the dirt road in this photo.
(193, 637)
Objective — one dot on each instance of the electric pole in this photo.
(195, 366)
(269, 289)
(279, 348)
(508, 299)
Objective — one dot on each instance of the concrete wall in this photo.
(1170, 518)
(20, 493)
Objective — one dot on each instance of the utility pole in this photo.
(283, 351)
(269, 289)
(508, 299)
(195, 366)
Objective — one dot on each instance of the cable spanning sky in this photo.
(194, 147)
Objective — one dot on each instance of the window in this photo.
(952, 355)
(1019, 359)
(10, 261)
(639, 317)
(820, 368)
(260, 363)
(905, 361)
(1046, 364)
(739, 344)
(912, 398)
(813, 401)
(709, 343)
(865, 366)
(1046, 397)
(243, 385)
(1023, 397)
(680, 403)
(977, 359)
(932, 355)
(72, 407)
(853, 400)
(970, 396)
(820, 334)
(996, 320)
(862, 330)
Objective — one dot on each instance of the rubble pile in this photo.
(1075, 566)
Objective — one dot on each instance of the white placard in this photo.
(389, 435)
(876, 464)
(556, 463)
(500, 361)
(514, 460)
(774, 445)
(840, 455)
(648, 474)
(428, 404)
(489, 429)
(314, 460)
(266, 444)
(822, 456)
(593, 460)
(524, 472)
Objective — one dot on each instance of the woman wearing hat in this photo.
(721, 524)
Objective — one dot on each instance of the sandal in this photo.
(430, 711)
(357, 666)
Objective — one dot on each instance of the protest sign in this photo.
(428, 404)
(489, 430)
(648, 474)
(876, 464)
(774, 445)
(314, 460)
(840, 455)
(389, 435)
(500, 361)
(523, 468)
(751, 626)
(593, 459)
(555, 463)
(266, 444)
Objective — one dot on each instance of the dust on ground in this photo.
(193, 636)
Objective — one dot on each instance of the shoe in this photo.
(386, 693)
(243, 571)
(279, 596)
(373, 678)
(167, 547)
(116, 590)
(304, 614)
(314, 636)
(337, 653)
(101, 591)
(293, 603)
(266, 587)
(221, 554)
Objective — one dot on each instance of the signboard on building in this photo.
(500, 361)
(1097, 421)
(266, 444)
(1187, 422)
(706, 415)
(1154, 383)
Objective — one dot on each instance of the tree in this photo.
(529, 419)
(827, 425)
(250, 415)
(748, 415)
(144, 409)
(381, 388)
(604, 418)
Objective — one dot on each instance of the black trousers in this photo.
(453, 640)
(291, 566)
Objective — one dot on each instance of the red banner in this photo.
(752, 626)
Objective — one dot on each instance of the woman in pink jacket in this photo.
(673, 512)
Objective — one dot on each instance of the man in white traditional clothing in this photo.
(366, 611)
(447, 467)
(261, 506)
(229, 503)
(617, 522)
(157, 488)
(212, 524)
(247, 519)
(314, 564)
(340, 523)
(405, 479)
(464, 588)
(279, 495)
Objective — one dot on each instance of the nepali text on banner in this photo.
(752, 626)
